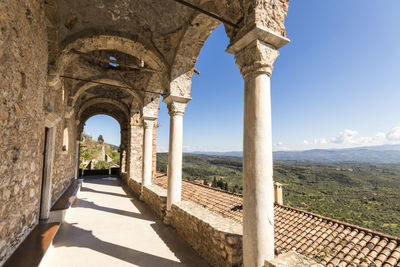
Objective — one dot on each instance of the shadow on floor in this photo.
(100, 179)
(86, 189)
(85, 238)
(82, 203)
(167, 234)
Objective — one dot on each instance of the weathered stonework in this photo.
(64, 161)
(258, 57)
(215, 238)
(156, 198)
(135, 186)
(135, 151)
(23, 65)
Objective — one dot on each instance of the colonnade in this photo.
(255, 54)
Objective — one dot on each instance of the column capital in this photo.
(256, 58)
(148, 122)
(176, 104)
(256, 50)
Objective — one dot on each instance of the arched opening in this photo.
(100, 143)
(205, 112)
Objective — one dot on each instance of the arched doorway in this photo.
(100, 146)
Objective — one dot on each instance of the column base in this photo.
(168, 217)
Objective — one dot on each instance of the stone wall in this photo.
(135, 148)
(135, 186)
(156, 198)
(64, 161)
(23, 65)
(217, 239)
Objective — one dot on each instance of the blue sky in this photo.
(337, 84)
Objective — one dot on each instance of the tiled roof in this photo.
(328, 241)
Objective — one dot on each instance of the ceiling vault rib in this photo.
(215, 16)
(88, 57)
(118, 86)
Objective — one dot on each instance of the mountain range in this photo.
(369, 154)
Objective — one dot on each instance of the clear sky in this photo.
(337, 84)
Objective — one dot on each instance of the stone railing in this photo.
(215, 238)
(156, 198)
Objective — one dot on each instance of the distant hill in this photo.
(371, 154)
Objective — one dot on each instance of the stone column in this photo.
(77, 149)
(148, 124)
(135, 148)
(122, 159)
(176, 109)
(255, 58)
(122, 150)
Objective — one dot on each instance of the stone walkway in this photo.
(107, 226)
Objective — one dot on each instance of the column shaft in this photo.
(147, 153)
(77, 151)
(258, 189)
(175, 159)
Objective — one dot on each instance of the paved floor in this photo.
(109, 227)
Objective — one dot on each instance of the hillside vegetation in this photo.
(364, 194)
(92, 150)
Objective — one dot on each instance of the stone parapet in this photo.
(135, 186)
(156, 198)
(215, 238)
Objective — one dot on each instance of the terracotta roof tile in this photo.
(328, 241)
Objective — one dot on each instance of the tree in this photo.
(100, 139)
(225, 186)
(101, 165)
(220, 184)
(214, 183)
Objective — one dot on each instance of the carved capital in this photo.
(257, 57)
(176, 105)
(149, 123)
(176, 108)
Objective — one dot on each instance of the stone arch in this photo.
(98, 100)
(106, 106)
(151, 100)
(125, 45)
(84, 86)
(189, 47)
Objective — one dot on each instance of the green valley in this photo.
(364, 194)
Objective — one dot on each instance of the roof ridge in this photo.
(213, 188)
